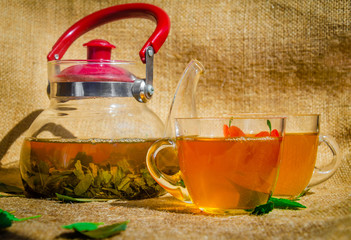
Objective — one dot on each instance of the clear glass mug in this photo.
(298, 169)
(228, 165)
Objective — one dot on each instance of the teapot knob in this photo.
(99, 49)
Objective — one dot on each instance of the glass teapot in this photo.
(92, 140)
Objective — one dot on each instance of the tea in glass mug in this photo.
(226, 169)
(298, 171)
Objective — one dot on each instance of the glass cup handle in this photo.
(321, 174)
(171, 183)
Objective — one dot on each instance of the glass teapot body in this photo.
(92, 147)
(93, 139)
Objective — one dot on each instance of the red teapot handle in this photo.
(131, 10)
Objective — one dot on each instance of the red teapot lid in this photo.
(98, 53)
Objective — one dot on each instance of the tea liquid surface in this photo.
(297, 163)
(91, 168)
(235, 173)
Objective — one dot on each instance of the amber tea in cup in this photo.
(227, 165)
(298, 171)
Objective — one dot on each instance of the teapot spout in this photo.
(183, 103)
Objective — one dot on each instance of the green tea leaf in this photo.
(119, 176)
(78, 171)
(83, 185)
(94, 169)
(5, 221)
(106, 177)
(64, 198)
(263, 209)
(82, 226)
(96, 181)
(148, 178)
(106, 231)
(124, 184)
(84, 158)
(285, 203)
(139, 182)
(7, 218)
(114, 191)
(270, 126)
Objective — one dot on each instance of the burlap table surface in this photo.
(260, 56)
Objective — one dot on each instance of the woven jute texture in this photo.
(276, 56)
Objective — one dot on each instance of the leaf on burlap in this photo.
(5, 221)
(285, 203)
(91, 230)
(280, 203)
(263, 209)
(64, 198)
(7, 218)
(82, 226)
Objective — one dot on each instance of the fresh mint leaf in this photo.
(285, 203)
(270, 126)
(263, 209)
(24, 219)
(230, 122)
(82, 226)
(107, 231)
(280, 203)
(8, 215)
(5, 221)
(7, 218)
(91, 230)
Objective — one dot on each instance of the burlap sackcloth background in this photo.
(260, 56)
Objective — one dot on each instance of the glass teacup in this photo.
(298, 169)
(228, 165)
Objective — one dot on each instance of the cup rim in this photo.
(276, 114)
(233, 117)
(256, 115)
